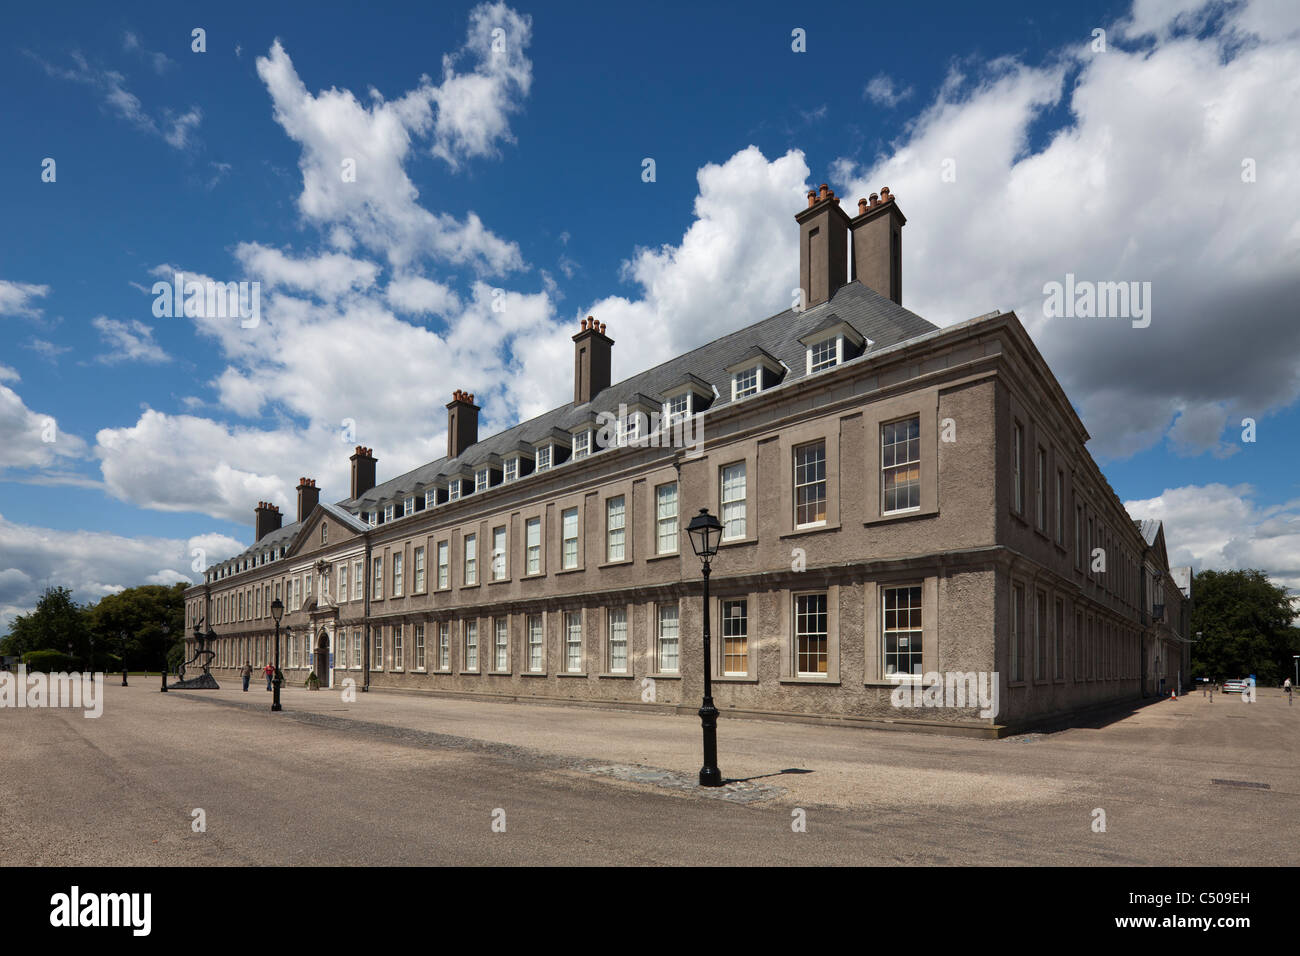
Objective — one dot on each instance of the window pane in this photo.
(810, 483)
(810, 625)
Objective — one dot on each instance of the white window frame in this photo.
(397, 574)
(917, 633)
(616, 640)
(581, 443)
(469, 630)
(399, 656)
(470, 549)
(358, 579)
(565, 563)
(726, 621)
(501, 644)
(419, 648)
(824, 481)
(886, 469)
(419, 585)
(443, 551)
(739, 391)
(616, 528)
(533, 546)
(444, 645)
(837, 353)
(664, 641)
(666, 523)
(481, 477)
(499, 553)
(739, 505)
(377, 588)
(544, 458)
(573, 642)
(535, 629)
(797, 633)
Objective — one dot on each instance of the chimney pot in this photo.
(878, 246)
(862, 206)
(591, 361)
(308, 497)
(265, 520)
(823, 238)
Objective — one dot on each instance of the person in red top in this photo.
(269, 671)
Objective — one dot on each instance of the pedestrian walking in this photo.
(1286, 686)
(269, 671)
(247, 674)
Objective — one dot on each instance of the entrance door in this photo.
(322, 665)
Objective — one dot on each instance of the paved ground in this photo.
(416, 780)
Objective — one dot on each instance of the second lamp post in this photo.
(277, 612)
(706, 531)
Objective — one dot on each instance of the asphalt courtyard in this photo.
(400, 779)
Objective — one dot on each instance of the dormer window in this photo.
(831, 344)
(582, 443)
(512, 468)
(824, 354)
(481, 479)
(388, 512)
(374, 519)
(677, 408)
(744, 383)
(408, 506)
(543, 458)
(324, 533)
(430, 498)
(453, 490)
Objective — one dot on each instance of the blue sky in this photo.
(1119, 164)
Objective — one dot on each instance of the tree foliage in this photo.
(1245, 626)
(143, 622)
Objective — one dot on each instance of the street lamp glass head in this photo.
(277, 610)
(705, 531)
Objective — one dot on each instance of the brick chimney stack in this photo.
(267, 519)
(363, 471)
(591, 361)
(308, 497)
(462, 423)
(823, 244)
(878, 244)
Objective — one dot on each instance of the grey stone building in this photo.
(900, 502)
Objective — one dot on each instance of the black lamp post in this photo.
(166, 629)
(706, 531)
(277, 612)
(123, 635)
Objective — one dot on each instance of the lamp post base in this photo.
(710, 775)
(275, 698)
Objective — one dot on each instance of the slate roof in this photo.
(1148, 528)
(877, 318)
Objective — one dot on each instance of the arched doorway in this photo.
(322, 664)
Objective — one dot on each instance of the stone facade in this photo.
(1055, 598)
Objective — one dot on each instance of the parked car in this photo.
(1234, 686)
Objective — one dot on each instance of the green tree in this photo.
(1245, 625)
(57, 623)
(151, 617)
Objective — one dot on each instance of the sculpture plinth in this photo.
(204, 681)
